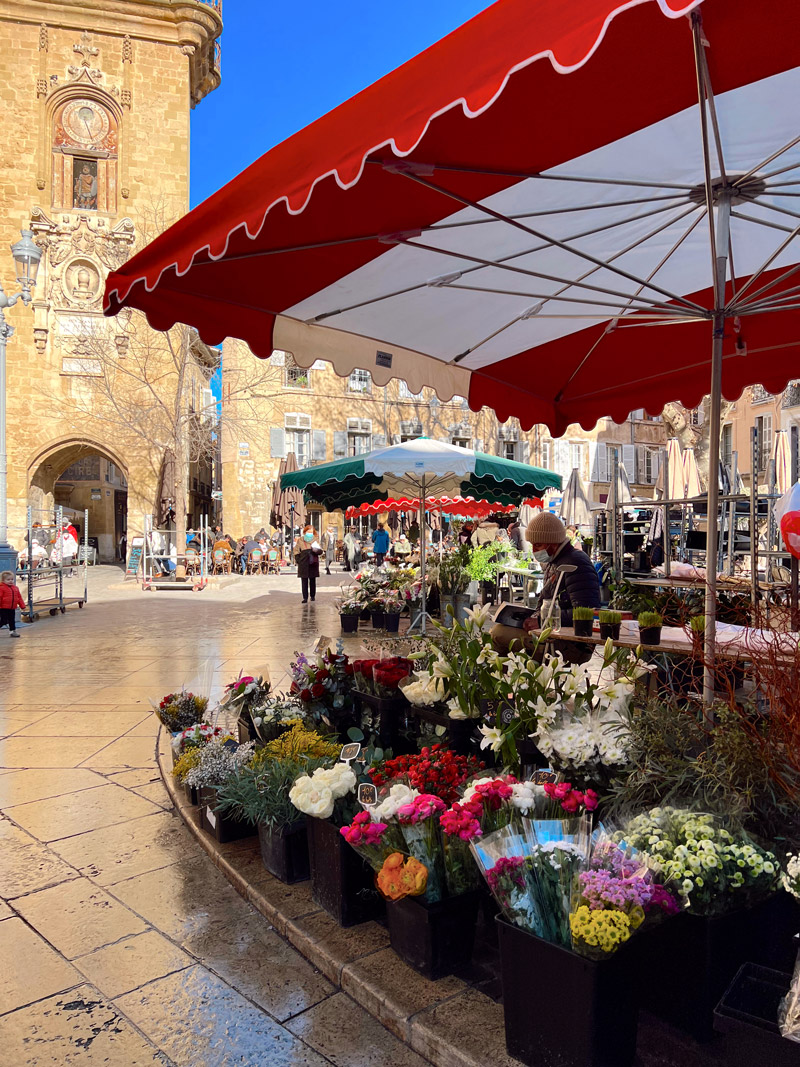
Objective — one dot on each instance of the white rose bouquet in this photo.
(317, 794)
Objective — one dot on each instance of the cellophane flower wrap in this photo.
(789, 1010)
(196, 736)
(387, 674)
(716, 868)
(423, 689)
(179, 711)
(322, 683)
(369, 839)
(613, 897)
(419, 825)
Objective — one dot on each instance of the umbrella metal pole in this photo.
(753, 518)
(712, 526)
(732, 511)
(665, 531)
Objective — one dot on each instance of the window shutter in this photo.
(655, 465)
(629, 461)
(600, 464)
(378, 440)
(277, 442)
(479, 445)
(320, 447)
(526, 451)
(562, 464)
(339, 444)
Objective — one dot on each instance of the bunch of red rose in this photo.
(362, 674)
(387, 674)
(434, 770)
(572, 800)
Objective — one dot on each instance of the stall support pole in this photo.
(665, 531)
(753, 519)
(795, 562)
(712, 525)
(86, 555)
(732, 510)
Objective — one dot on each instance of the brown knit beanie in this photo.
(545, 529)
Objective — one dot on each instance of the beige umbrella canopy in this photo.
(282, 500)
(782, 462)
(574, 503)
(691, 475)
(676, 489)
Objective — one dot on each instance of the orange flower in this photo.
(402, 876)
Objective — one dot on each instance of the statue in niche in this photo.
(84, 172)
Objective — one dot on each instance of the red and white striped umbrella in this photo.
(458, 505)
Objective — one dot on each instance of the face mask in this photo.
(542, 556)
(308, 537)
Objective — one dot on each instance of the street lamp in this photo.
(27, 256)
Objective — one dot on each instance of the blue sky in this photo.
(285, 64)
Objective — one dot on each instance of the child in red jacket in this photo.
(10, 600)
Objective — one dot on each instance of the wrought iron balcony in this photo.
(791, 395)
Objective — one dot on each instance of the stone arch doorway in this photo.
(78, 476)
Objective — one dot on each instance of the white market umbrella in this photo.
(574, 509)
(691, 475)
(783, 463)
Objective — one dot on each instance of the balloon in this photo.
(790, 531)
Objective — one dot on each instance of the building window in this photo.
(405, 393)
(508, 449)
(576, 457)
(462, 442)
(726, 445)
(360, 381)
(545, 454)
(764, 440)
(295, 377)
(359, 436)
(298, 437)
(649, 473)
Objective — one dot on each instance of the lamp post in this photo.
(26, 260)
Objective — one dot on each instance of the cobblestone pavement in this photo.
(120, 943)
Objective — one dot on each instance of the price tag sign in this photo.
(367, 794)
(544, 777)
(322, 645)
(350, 752)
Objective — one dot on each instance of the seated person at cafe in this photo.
(551, 546)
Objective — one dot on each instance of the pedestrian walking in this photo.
(352, 551)
(10, 600)
(330, 548)
(307, 551)
(380, 544)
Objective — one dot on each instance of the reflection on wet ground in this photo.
(120, 944)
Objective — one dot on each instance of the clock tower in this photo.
(94, 159)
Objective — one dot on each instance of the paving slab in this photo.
(30, 969)
(75, 813)
(132, 962)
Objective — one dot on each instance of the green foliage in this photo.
(697, 624)
(648, 619)
(453, 575)
(482, 564)
(736, 767)
(608, 618)
(260, 792)
(583, 614)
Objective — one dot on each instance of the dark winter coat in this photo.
(581, 589)
(307, 559)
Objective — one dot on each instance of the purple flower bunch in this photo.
(604, 889)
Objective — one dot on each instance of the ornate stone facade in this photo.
(96, 100)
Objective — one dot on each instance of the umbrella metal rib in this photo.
(550, 241)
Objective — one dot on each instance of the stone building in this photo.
(96, 100)
(319, 416)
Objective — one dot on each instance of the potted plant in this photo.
(376, 610)
(453, 583)
(697, 627)
(582, 621)
(482, 568)
(610, 622)
(349, 614)
(650, 623)
(392, 607)
(341, 883)
(219, 760)
(259, 794)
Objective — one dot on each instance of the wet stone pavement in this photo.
(120, 943)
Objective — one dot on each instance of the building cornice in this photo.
(191, 25)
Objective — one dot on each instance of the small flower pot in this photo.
(447, 609)
(650, 635)
(583, 627)
(461, 602)
(584, 1015)
(284, 851)
(222, 827)
(377, 620)
(434, 939)
(747, 1016)
(190, 792)
(349, 623)
(341, 882)
(364, 616)
(391, 622)
(608, 629)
